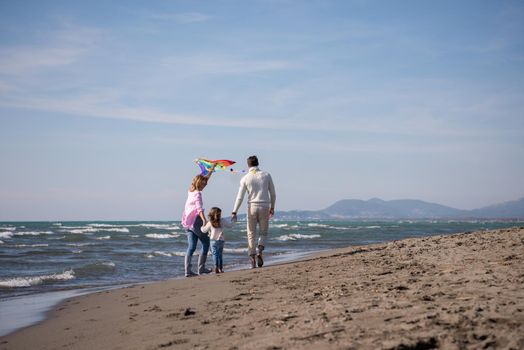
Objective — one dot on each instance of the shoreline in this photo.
(451, 291)
(24, 311)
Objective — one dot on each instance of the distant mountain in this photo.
(511, 209)
(378, 208)
(404, 209)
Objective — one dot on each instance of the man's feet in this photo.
(191, 274)
(260, 261)
(217, 270)
(221, 270)
(253, 263)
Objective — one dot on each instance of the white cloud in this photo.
(184, 17)
(214, 64)
(62, 47)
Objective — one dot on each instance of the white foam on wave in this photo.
(6, 235)
(161, 253)
(76, 251)
(1, 242)
(314, 224)
(56, 238)
(109, 264)
(79, 244)
(373, 226)
(81, 230)
(122, 229)
(108, 226)
(7, 228)
(90, 230)
(31, 245)
(33, 233)
(160, 226)
(18, 282)
(279, 225)
(162, 235)
(235, 250)
(104, 237)
(296, 236)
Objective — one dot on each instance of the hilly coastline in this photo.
(378, 209)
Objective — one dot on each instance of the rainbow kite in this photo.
(206, 165)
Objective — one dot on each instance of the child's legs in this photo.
(220, 250)
(214, 251)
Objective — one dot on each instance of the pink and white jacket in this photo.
(192, 209)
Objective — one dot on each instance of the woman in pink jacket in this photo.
(193, 219)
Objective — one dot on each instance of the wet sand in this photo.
(463, 291)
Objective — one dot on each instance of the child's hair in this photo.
(214, 216)
(198, 181)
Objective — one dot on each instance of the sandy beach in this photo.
(462, 291)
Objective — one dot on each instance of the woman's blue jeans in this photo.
(217, 247)
(192, 239)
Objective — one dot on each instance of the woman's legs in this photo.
(192, 240)
(203, 255)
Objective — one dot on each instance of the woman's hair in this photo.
(214, 216)
(198, 182)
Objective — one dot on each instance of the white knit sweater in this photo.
(259, 187)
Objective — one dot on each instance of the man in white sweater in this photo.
(261, 198)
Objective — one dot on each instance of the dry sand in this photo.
(463, 291)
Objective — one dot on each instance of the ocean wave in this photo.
(1, 242)
(7, 228)
(160, 226)
(160, 253)
(373, 226)
(79, 244)
(76, 251)
(162, 235)
(235, 250)
(279, 225)
(31, 245)
(104, 225)
(296, 236)
(90, 230)
(104, 237)
(18, 282)
(33, 233)
(95, 269)
(6, 235)
(56, 238)
(314, 224)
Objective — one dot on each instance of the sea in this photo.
(51, 261)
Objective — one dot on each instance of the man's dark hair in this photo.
(252, 161)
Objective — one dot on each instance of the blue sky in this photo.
(104, 105)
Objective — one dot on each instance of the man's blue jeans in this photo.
(217, 247)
